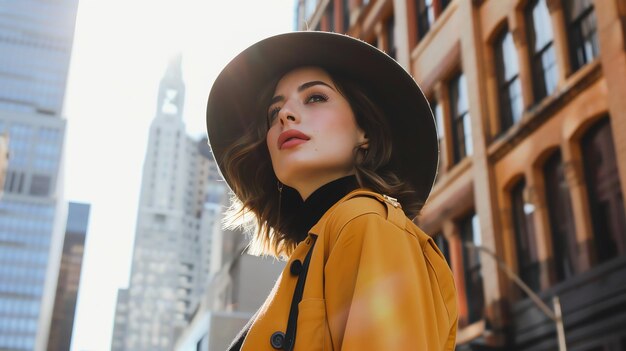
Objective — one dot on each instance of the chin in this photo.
(296, 172)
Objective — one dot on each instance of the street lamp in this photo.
(555, 316)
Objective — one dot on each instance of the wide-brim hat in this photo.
(231, 108)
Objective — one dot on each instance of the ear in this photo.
(363, 141)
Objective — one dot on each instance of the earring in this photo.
(365, 151)
(280, 198)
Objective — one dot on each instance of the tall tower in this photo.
(69, 277)
(36, 41)
(167, 260)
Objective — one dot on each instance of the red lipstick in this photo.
(291, 138)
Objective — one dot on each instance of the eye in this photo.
(316, 98)
(272, 113)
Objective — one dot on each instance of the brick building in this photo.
(529, 98)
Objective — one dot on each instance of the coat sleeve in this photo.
(383, 292)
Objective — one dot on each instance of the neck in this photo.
(300, 215)
(309, 185)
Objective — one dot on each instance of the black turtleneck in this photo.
(303, 215)
(306, 213)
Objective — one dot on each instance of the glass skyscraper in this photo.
(35, 46)
(69, 277)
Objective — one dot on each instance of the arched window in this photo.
(509, 87)
(460, 118)
(606, 201)
(526, 246)
(582, 32)
(561, 217)
(470, 233)
(542, 57)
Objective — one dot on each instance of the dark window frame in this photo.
(582, 35)
(443, 245)
(425, 16)
(458, 119)
(391, 42)
(474, 290)
(605, 199)
(346, 15)
(507, 86)
(525, 241)
(542, 59)
(330, 17)
(443, 4)
(561, 216)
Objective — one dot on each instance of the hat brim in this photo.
(231, 104)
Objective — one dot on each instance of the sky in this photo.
(121, 49)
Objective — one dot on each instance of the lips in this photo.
(291, 138)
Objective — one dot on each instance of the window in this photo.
(542, 57)
(40, 185)
(8, 183)
(444, 4)
(346, 15)
(526, 247)
(561, 218)
(442, 244)
(391, 43)
(606, 201)
(582, 32)
(509, 87)
(330, 16)
(461, 122)
(470, 233)
(437, 111)
(425, 16)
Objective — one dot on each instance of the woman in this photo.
(331, 149)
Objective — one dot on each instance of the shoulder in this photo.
(360, 212)
(356, 204)
(364, 211)
(356, 207)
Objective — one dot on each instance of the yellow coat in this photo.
(375, 282)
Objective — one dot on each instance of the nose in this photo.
(288, 114)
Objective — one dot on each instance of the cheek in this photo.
(345, 132)
(270, 140)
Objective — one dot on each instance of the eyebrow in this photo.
(301, 88)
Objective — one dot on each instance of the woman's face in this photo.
(313, 135)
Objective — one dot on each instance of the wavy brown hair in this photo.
(265, 211)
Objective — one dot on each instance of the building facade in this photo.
(36, 41)
(4, 160)
(60, 337)
(120, 323)
(528, 100)
(172, 247)
(235, 291)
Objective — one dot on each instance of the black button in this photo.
(277, 340)
(296, 267)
